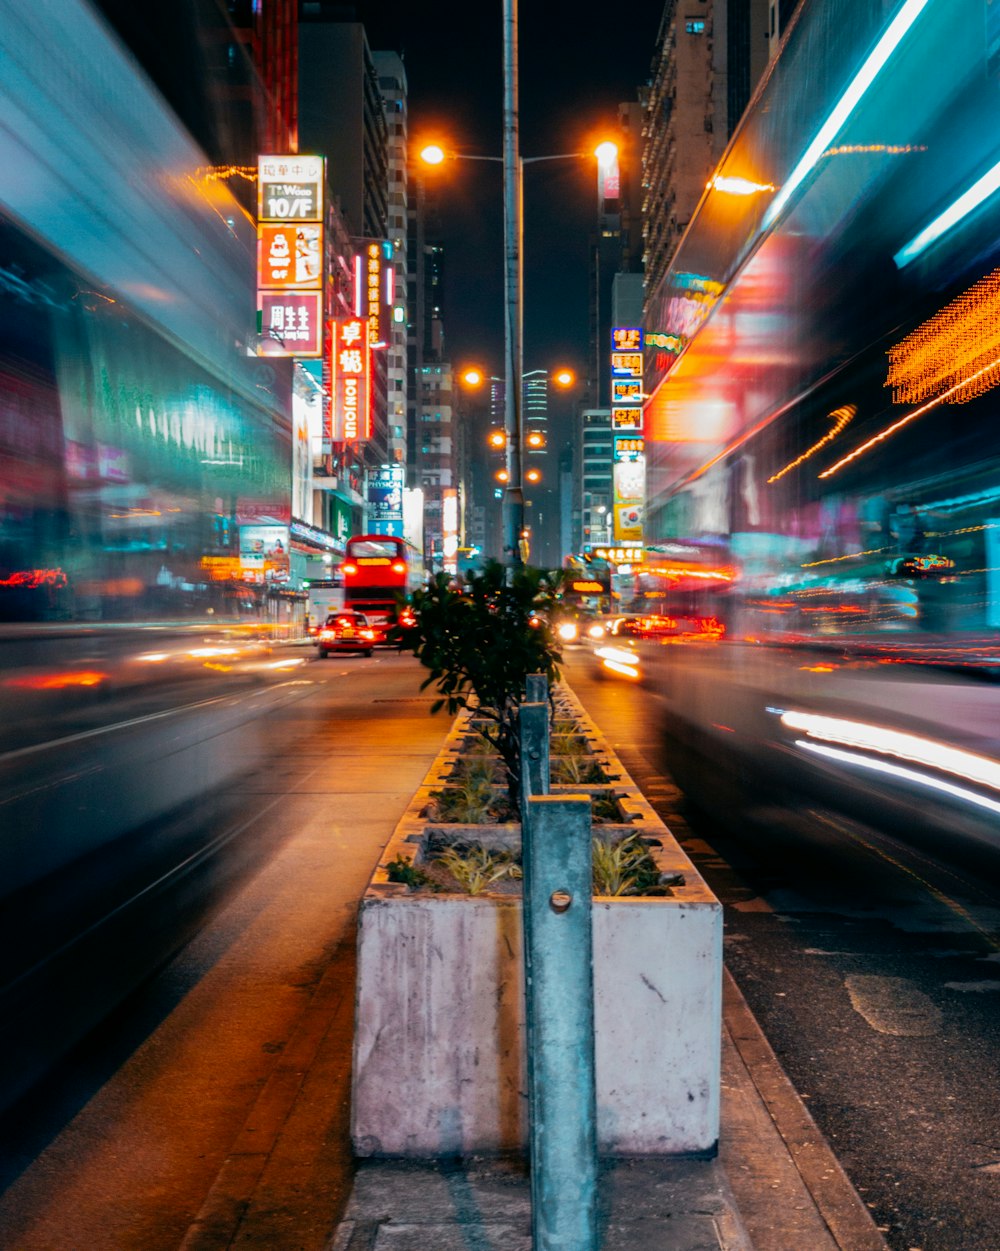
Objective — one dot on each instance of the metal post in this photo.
(513, 499)
(560, 1015)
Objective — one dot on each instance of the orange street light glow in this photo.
(535, 439)
(564, 377)
(432, 154)
(472, 377)
(533, 475)
(502, 475)
(498, 439)
(738, 186)
(606, 152)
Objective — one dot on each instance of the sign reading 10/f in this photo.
(290, 201)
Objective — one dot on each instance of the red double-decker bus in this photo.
(379, 570)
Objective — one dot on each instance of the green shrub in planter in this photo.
(480, 642)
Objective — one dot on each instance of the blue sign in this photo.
(385, 494)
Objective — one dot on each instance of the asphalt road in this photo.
(873, 968)
(120, 1146)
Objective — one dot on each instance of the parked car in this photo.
(345, 631)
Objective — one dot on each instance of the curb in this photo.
(838, 1204)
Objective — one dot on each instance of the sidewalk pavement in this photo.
(775, 1185)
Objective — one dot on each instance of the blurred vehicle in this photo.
(380, 574)
(346, 632)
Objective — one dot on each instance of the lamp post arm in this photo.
(558, 156)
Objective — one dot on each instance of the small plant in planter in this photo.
(476, 868)
(626, 868)
(401, 870)
(480, 642)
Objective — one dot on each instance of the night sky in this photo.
(574, 70)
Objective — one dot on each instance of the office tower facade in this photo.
(705, 67)
(392, 85)
(342, 117)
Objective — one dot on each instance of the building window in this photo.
(695, 25)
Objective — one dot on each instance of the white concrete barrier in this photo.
(439, 1051)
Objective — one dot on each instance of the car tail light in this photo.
(327, 634)
(398, 567)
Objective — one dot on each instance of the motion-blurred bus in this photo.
(380, 574)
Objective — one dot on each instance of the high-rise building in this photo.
(392, 85)
(269, 31)
(596, 477)
(705, 67)
(342, 117)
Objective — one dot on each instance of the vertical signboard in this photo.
(290, 210)
(385, 499)
(629, 460)
(628, 479)
(348, 372)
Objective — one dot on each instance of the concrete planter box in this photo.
(439, 1064)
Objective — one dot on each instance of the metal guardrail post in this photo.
(559, 992)
(560, 1011)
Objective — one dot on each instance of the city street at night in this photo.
(367, 371)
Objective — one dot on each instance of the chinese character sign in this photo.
(629, 465)
(349, 373)
(626, 339)
(291, 323)
(290, 188)
(290, 254)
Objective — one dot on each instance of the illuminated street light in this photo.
(564, 377)
(513, 178)
(535, 438)
(533, 475)
(497, 439)
(473, 377)
(502, 475)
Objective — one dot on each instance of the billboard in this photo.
(348, 376)
(385, 498)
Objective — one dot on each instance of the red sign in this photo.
(290, 256)
(348, 362)
(291, 323)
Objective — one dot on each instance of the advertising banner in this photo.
(629, 484)
(385, 496)
(264, 553)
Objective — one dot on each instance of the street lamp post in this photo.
(513, 199)
(513, 219)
